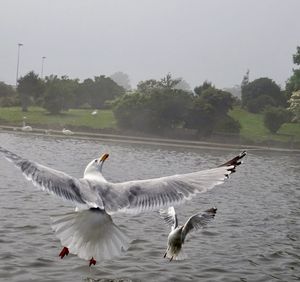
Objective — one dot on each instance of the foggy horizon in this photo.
(195, 40)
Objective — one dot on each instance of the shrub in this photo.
(10, 101)
(274, 118)
(258, 104)
(262, 87)
(228, 125)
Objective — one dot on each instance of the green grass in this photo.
(37, 116)
(253, 128)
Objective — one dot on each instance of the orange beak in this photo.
(103, 158)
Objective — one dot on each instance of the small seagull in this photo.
(178, 233)
(94, 112)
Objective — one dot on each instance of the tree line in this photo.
(158, 105)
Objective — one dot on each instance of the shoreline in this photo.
(144, 140)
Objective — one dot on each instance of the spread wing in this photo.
(131, 196)
(154, 194)
(198, 221)
(53, 181)
(170, 217)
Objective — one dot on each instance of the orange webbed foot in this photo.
(92, 261)
(64, 252)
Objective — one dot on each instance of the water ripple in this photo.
(254, 237)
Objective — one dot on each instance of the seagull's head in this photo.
(94, 168)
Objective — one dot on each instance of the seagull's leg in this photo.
(92, 261)
(64, 252)
(166, 251)
(171, 258)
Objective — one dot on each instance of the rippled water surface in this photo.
(254, 237)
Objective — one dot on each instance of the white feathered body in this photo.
(178, 234)
(26, 127)
(90, 233)
(175, 241)
(67, 132)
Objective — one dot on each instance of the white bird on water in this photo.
(26, 127)
(178, 233)
(90, 232)
(67, 132)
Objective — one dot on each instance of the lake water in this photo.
(255, 235)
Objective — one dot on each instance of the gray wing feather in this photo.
(131, 196)
(170, 217)
(158, 193)
(198, 221)
(53, 181)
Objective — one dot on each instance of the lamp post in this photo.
(43, 58)
(18, 61)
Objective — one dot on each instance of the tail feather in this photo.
(175, 254)
(181, 255)
(90, 233)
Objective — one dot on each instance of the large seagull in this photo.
(89, 231)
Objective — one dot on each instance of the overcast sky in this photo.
(215, 40)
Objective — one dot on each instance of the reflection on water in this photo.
(254, 237)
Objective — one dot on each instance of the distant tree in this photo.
(245, 80)
(168, 107)
(262, 87)
(158, 105)
(206, 85)
(70, 89)
(122, 79)
(60, 93)
(30, 87)
(200, 116)
(147, 86)
(130, 111)
(220, 100)
(296, 57)
(294, 107)
(84, 92)
(6, 90)
(274, 118)
(210, 110)
(8, 95)
(293, 83)
(156, 111)
(104, 89)
(168, 82)
(54, 95)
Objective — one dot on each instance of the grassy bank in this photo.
(253, 130)
(73, 118)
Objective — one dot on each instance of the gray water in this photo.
(254, 237)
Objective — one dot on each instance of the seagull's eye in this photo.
(95, 161)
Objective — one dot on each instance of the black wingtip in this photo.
(212, 210)
(236, 161)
